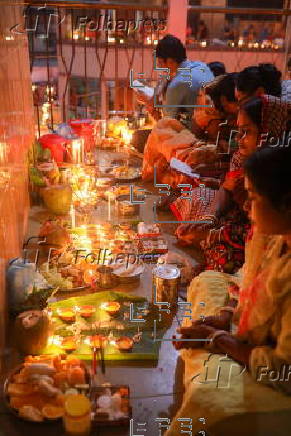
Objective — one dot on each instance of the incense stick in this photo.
(102, 358)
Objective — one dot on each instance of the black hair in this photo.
(254, 110)
(222, 86)
(218, 68)
(263, 75)
(269, 171)
(171, 47)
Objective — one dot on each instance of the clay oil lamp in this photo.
(69, 344)
(111, 307)
(124, 344)
(86, 311)
(67, 314)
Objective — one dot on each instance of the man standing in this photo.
(186, 78)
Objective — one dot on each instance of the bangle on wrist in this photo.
(211, 218)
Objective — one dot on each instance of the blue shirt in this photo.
(182, 91)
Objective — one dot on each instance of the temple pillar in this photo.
(177, 18)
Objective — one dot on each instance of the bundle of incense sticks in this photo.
(94, 361)
(98, 356)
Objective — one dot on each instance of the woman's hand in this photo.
(219, 322)
(183, 155)
(190, 234)
(210, 182)
(190, 336)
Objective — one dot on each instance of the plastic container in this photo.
(77, 417)
(56, 144)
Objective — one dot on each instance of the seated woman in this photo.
(215, 125)
(258, 80)
(263, 314)
(253, 81)
(219, 130)
(222, 236)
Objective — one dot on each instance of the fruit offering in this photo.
(39, 390)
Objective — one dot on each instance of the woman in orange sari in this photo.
(225, 224)
(212, 124)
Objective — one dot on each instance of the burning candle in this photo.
(109, 209)
(55, 340)
(75, 34)
(126, 135)
(73, 216)
(77, 151)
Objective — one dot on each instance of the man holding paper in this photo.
(181, 82)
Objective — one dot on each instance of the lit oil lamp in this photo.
(67, 314)
(96, 341)
(86, 311)
(124, 344)
(111, 307)
(69, 343)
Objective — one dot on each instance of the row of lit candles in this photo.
(242, 43)
(112, 39)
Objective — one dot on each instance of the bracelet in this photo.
(211, 218)
(211, 338)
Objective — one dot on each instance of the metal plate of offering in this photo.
(126, 173)
(127, 272)
(103, 183)
(166, 279)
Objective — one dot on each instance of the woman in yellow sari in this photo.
(262, 341)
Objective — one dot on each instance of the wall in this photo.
(16, 134)
(143, 60)
(118, 64)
